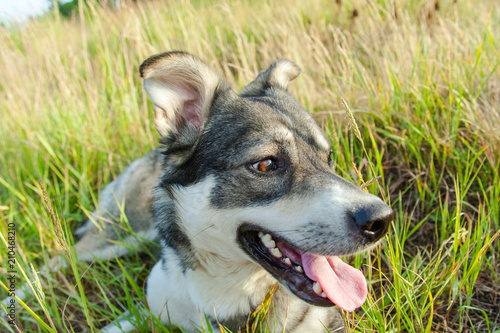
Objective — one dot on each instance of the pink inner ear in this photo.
(191, 111)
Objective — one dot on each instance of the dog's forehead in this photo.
(284, 119)
(282, 134)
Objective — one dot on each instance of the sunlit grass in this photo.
(423, 86)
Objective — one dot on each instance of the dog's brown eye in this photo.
(265, 165)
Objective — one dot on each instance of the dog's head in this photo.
(249, 177)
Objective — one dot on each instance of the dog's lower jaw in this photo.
(178, 297)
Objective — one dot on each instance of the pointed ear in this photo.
(278, 75)
(181, 87)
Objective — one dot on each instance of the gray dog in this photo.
(242, 195)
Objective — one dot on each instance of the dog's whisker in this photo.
(202, 231)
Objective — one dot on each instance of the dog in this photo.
(242, 196)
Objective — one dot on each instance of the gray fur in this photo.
(131, 192)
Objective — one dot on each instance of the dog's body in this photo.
(242, 196)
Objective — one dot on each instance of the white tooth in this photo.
(276, 252)
(288, 261)
(323, 295)
(266, 238)
(270, 244)
(299, 269)
(261, 234)
(317, 288)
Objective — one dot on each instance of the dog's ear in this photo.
(181, 87)
(278, 75)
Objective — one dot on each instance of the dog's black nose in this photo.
(373, 221)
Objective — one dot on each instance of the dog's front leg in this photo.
(168, 295)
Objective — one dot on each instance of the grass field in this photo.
(422, 79)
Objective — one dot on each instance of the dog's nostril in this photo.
(373, 222)
(373, 227)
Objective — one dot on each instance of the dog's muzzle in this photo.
(321, 280)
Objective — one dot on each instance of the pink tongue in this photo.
(343, 285)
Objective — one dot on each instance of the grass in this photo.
(421, 79)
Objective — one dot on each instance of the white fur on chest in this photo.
(223, 292)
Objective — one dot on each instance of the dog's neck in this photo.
(236, 289)
(241, 279)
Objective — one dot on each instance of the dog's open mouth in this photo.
(318, 280)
